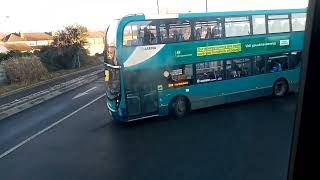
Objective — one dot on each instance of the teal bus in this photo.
(173, 64)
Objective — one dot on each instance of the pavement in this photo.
(72, 137)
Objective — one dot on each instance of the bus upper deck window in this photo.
(259, 24)
(176, 31)
(139, 33)
(208, 29)
(278, 23)
(237, 26)
(298, 21)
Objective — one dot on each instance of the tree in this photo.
(71, 41)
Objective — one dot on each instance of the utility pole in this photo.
(206, 5)
(158, 7)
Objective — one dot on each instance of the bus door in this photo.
(141, 94)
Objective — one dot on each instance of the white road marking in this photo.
(84, 93)
(47, 128)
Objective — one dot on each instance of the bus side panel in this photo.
(220, 92)
(244, 88)
(205, 95)
(297, 41)
(227, 91)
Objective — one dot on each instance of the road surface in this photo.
(72, 137)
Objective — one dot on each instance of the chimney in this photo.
(21, 35)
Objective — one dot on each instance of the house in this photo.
(37, 40)
(23, 47)
(27, 41)
(95, 42)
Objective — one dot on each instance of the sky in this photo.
(52, 15)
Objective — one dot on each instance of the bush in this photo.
(14, 54)
(92, 60)
(55, 58)
(24, 69)
(4, 57)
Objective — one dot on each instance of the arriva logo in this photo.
(285, 42)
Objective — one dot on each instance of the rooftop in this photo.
(18, 47)
(2, 35)
(96, 34)
(13, 37)
(36, 36)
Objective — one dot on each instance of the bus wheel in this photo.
(280, 88)
(180, 106)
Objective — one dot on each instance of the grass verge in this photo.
(16, 87)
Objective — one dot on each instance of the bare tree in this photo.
(72, 40)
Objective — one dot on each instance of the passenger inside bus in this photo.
(198, 34)
(209, 33)
(260, 66)
(236, 68)
(276, 67)
(149, 37)
(177, 35)
(215, 32)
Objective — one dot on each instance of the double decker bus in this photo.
(160, 65)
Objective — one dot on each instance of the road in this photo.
(72, 137)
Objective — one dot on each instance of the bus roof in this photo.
(237, 13)
(227, 13)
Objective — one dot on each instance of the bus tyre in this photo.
(179, 107)
(280, 88)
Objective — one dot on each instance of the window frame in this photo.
(265, 24)
(291, 20)
(156, 35)
(208, 18)
(277, 56)
(250, 25)
(175, 19)
(278, 14)
(243, 58)
(196, 73)
(183, 68)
